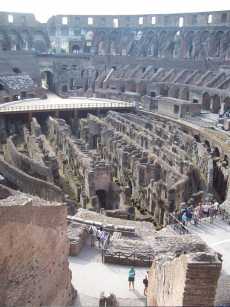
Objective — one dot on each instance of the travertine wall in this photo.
(187, 280)
(34, 253)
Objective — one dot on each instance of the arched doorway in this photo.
(47, 80)
(227, 104)
(216, 104)
(101, 194)
(75, 49)
(2, 88)
(206, 101)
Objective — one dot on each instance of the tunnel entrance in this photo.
(220, 182)
(101, 194)
(47, 80)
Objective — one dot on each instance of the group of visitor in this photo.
(131, 279)
(207, 209)
(98, 234)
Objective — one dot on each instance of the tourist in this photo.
(103, 238)
(131, 277)
(211, 213)
(184, 218)
(189, 214)
(200, 211)
(99, 234)
(216, 208)
(206, 209)
(93, 233)
(146, 283)
(196, 216)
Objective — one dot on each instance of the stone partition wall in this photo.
(91, 174)
(26, 164)
(34, 251)
(187, 280)
(29, 184)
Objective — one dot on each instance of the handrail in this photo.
(177, 225)
(67, 105)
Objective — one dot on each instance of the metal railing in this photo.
(177, 225)
(134, 258)
(65, 106)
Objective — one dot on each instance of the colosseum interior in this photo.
(115, 129)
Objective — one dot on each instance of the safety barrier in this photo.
(177, 225)
(33, 107)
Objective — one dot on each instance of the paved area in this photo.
(55, 103)
(91, 277)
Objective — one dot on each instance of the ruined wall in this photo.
(86, 168)
(146, 178)
(187, 280)
(34, 272)
(26, 164)
(29, 184)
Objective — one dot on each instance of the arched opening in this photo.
(3, 41)
(101, 194)
(47, 80)
(189, 41)
(64, 89)
(184, 93)
(164, 90)
(130, 192)
(216, 152)
(26, 40)
(215, 44)
(225, 161)
(75, 49)
(219, 181)
(216, 104)
(197, 138)
(206, 101)
(227, 104)
(14, 40)
(174, 92)
(207, 146)
(162, 41)
(2, 88)
(40, 42)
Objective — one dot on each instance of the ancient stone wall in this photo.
(26, 164)
(187, 280)
(29, 184)
(159, 163)
(147, 180)
(89, 171)
(34, 272)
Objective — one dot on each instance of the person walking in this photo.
(131, 277)
(99, 233)
(146, 283)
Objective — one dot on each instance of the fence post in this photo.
(102, 255)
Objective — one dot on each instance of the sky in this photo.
(43, 9)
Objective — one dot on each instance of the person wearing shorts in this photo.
(131, 277)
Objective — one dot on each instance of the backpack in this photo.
(145, 281)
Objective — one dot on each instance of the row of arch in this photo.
(210, 102)
(159, 43)
(14, 40)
